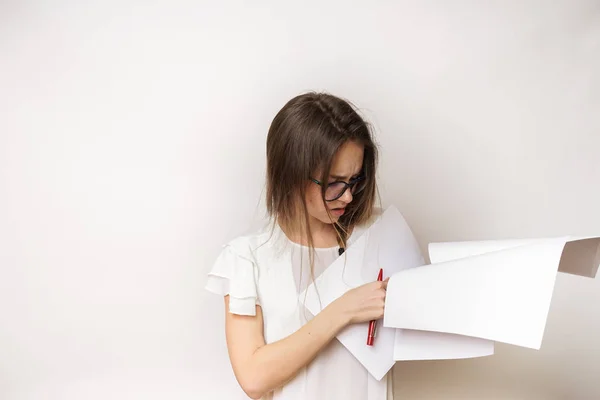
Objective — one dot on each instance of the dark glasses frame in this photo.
(347, 185)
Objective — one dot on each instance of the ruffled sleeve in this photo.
(235, 275)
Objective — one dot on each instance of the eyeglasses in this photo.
(335, 190)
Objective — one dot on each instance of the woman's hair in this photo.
(303, 139)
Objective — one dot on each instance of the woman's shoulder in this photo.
(243, 241)
(253, 243)
(235, 273)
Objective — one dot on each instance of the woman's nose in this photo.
(347, 196)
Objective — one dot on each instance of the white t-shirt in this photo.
(268, 269)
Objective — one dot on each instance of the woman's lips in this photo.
(338, 211)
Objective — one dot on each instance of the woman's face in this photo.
(347, 164)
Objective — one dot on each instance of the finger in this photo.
(385, 283)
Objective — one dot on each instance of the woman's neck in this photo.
(323, 235)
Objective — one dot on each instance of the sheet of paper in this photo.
(581, 255)
(494, 290)
(423, 345)
(390, 244)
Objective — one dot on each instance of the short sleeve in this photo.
(235, 275)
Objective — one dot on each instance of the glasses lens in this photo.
(359, 186)
(334, 190)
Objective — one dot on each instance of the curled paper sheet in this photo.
(473, 293)
(494, 290)
(389, 244)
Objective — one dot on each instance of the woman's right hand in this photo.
(363, 303)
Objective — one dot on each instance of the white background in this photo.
(132, 139)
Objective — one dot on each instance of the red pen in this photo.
(372, 324)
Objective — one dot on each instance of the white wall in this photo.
(132, 146)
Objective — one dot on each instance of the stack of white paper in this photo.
(472, 293)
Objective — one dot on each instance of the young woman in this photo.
(321, 191)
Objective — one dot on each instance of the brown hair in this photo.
(302, 141)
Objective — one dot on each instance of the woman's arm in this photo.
(260, 368)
